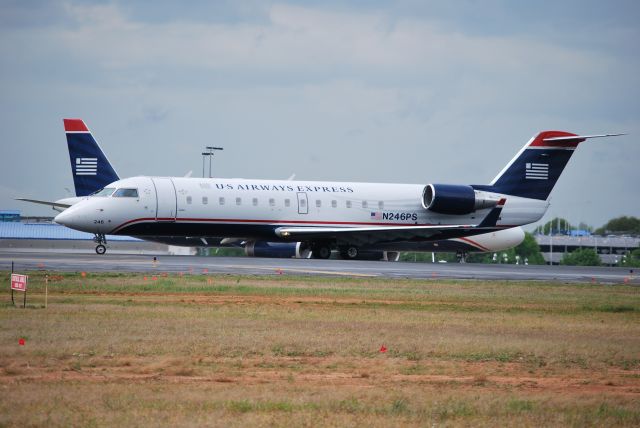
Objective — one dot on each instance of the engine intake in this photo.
(456, 199)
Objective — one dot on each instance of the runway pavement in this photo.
(61, 262)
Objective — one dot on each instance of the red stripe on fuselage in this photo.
(273, 222)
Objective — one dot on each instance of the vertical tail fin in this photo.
(534, 171)
(90, 167)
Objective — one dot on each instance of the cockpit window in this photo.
(126, 193)
(107, 191)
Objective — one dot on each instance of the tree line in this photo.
(529, 251)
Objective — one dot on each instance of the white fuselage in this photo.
(252, 209)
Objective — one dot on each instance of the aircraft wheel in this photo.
(321, 252)
(101, 249)
(349, 253)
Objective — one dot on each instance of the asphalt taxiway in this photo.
(75, 262)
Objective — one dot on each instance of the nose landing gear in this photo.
(101, 240)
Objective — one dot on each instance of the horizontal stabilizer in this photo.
(581, 137)
(50, 203)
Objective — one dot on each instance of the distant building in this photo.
(611, 249)
(20, 234)
(9, 216)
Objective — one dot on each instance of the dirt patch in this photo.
(334, 371)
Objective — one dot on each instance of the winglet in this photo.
(494, 215)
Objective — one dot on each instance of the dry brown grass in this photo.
(239, 351)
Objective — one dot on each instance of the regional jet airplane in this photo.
(324, 216)
(92, 171)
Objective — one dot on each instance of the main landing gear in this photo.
(349, 253)
(321, 250)
(101, 240)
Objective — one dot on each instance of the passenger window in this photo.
(221, 201)
(287, 203)
(255, 202)
(238, 201)
(302, 202)
(189, 200)
(272, 202)
(318, 203)
(381, 205)
(205, 200)
(334, 204)
(126, 193)
(348, 204)
(365, 204)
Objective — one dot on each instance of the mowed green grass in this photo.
(280, 350)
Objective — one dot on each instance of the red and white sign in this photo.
(19, 282)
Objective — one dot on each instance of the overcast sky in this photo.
(403, 92)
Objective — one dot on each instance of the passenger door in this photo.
(166, 201)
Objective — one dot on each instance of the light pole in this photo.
(209, 153)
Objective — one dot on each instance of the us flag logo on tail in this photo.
(537, 171)
(86, 166)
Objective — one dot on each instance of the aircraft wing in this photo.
(50, 203)
(374, 234)
(368, 235)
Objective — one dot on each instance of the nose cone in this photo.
(76, 217)
(65, 218)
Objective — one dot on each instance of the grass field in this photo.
(117, 349)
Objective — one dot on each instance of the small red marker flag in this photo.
(155, 278)
(83, 274)
(21, 342)
(205, 270)
(144, 278)
(383, 349)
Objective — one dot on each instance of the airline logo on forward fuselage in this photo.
(86, 166)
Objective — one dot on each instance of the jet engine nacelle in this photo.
(280, 250)
(456, 199)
